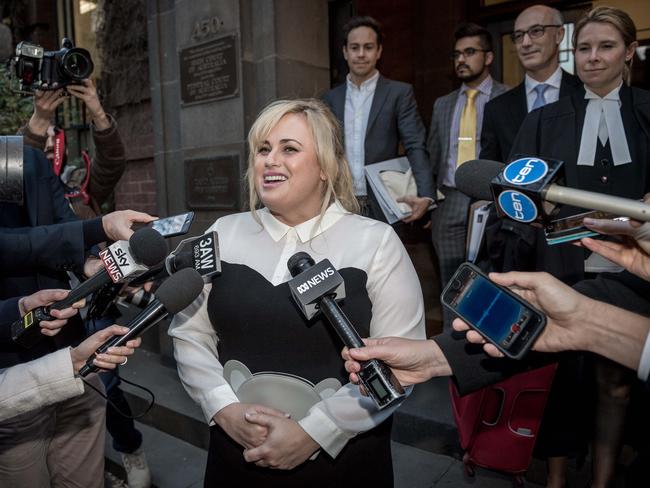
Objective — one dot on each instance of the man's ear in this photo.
(559, 36)
(489, 57)
(345, 52)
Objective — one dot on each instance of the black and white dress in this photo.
(247, 314)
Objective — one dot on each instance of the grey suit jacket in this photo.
(441, 119)
(393, 119)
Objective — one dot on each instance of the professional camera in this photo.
(37, 69)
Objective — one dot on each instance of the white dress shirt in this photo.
(348, 241)
(358, 100)
(552, 93)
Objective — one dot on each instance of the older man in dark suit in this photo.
(454, 138)
(376, 115)
(537, 37)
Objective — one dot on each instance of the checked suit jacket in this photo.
(449, 220)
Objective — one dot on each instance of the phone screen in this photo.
(504, 320)
(172, 226)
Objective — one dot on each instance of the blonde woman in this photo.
(298, 175)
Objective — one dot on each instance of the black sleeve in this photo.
(56, 247)
(8, 314)
(527, 141)
(490, 148)
(473, 369)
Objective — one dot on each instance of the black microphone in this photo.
(315, 287)
(174, 295)
(122, 261)
(524, 188)
(200, 253)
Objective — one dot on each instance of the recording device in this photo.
(11, 169)
(499, 315)
(174, 295)
(200, 253)
(525, 191)
(122, 261)
(176, 225)
(316, 287)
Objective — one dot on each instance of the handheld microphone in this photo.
(524, 188)
(315, 287)
(200, 253)
(174, 295)
(122, 261)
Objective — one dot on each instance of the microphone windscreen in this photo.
(473, 178)
(299, 262)
(148, 246)
(180, 289)
(182, 260)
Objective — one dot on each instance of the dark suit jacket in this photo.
(504, 115)
(393, 118)
(554, 131)
(46, 205)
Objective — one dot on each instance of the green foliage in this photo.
(15, 109)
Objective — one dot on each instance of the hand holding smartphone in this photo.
(175, 225)
(499, 315)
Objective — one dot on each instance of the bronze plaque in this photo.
(213, 183)
(209, 70)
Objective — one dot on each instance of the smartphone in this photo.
(176, 225)
(570, 229)
(499, 315)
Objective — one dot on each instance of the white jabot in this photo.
(603, 121)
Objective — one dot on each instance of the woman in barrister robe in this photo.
(603, 136)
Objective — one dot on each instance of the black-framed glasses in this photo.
(534, 32)
(468, 52)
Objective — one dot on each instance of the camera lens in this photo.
(76, 63)
(456, 285)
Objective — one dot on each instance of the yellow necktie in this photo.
(467, 132)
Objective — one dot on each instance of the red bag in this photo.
(498, 425)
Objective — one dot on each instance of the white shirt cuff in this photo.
(215, 400)
(644, 363)
(325, 432)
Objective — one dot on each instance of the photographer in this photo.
(109, 162)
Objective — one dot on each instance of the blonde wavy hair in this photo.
(617, 18)
(328, 144)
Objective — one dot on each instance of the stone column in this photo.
(213, 66)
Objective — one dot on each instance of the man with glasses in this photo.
(454, 138)
(537, 36)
